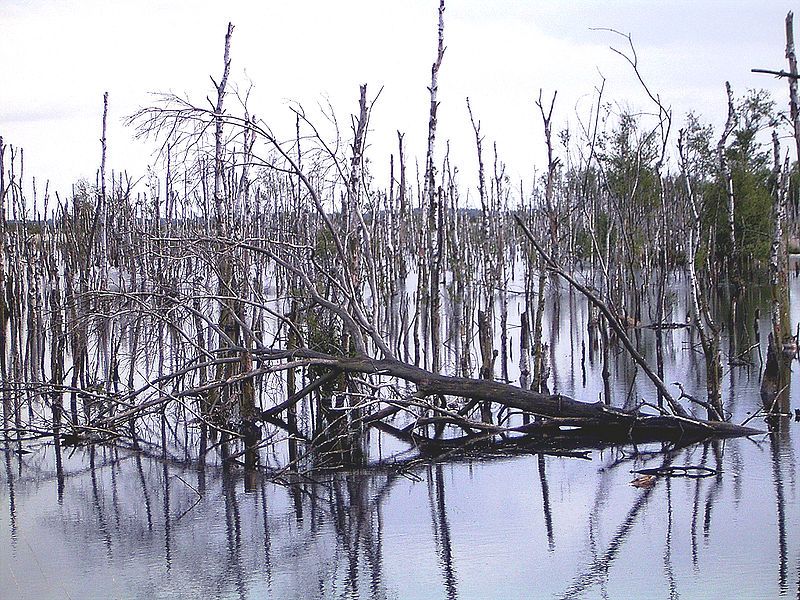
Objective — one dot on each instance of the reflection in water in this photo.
(441, 531)
(138, 523)
(98, 505)
(233, 533)
(12, 517)
(383, 535)
(696, 509)
(780, 444)
(548, 515)
(669, 570)
(714, 486)
(597, 570)
(143, 484)
(166, 477)
(59, 466)
(267, 546)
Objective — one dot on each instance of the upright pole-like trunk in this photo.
(540, 374)
(794, 107)
(727, 180)
(706, 326)
(436, 222)
(228, 325)
(431, 200)
(488, 355)
(3, 308)
(782, 346)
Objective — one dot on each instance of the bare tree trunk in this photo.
(540, 374)
(436, 221)
(525, 357)
(794, 108)
(782, 346)
(727, 178)
(552, 165)
(4, 316)
(488, 355)
(291, 384)
(219, 398)
(429, 197)
(219, 165)
(706, 326)
(539, 382)
(430, 166)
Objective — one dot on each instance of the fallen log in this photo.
(595, 417)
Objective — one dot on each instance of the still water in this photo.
(525, 527)
(127, 524)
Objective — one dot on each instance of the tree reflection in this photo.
(598, 569)
(441, 530)
(340, 536)
(780, 449)
(548, 515)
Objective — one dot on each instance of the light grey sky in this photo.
(58, 56)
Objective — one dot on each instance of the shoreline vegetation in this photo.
(269, 296)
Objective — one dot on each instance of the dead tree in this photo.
(782, 345)
(791, 76)
(612, 320)
(706, 326)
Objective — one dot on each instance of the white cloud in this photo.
(57, 58)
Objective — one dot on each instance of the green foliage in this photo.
(701, 160)
(603, 225)
(628, 156)
(750, 169)
(323, 331)
(324, 246)
(323, 334)
(583, 243)
(749, 163)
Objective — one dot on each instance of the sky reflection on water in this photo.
(121, 524)
(523, 527)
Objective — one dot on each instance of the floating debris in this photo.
(691, 471)
(644, 481)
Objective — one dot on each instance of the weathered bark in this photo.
(219, 399)
(552, 165)
(782, 346)
(610, 318)
(291, 387)
(430, 167)
(727, 178)
(431, 200)
(779, 258)
(539, 382)
(435, 223)
(488, 354)
(706, 326)
(794, 108)
(555, 406)
(524, 352)
(219, 166)
(4, 313)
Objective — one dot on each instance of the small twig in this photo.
(196, 502)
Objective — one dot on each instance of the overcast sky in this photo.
(57, 57)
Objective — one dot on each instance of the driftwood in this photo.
(556, 409)
(561, 422)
